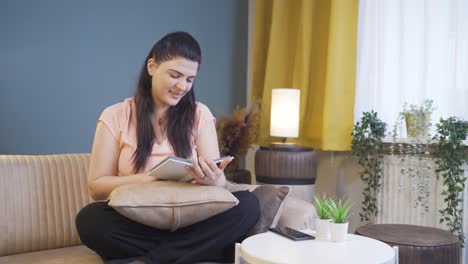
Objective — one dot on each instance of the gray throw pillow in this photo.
(271, 198)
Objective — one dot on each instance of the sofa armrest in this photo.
(297, 214)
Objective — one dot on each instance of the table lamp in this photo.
(284, 118)
(286, 163)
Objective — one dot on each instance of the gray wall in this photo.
(63, 62)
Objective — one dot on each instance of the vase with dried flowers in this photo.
(236, 134)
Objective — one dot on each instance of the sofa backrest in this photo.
(40, 196)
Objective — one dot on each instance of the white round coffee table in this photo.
(272, 248)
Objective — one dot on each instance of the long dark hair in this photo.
(180, 118)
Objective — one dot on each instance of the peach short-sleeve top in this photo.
(120, 120)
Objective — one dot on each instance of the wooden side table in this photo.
(294, 166)
(416, 244)
(286, 165)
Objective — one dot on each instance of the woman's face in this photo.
(171, 80)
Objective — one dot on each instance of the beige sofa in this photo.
(40, 196)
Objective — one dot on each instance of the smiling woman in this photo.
(162, 119)
(175, 80)
(169, 65)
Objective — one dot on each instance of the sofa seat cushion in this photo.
(68, 255)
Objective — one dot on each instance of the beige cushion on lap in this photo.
(271, 200)
(170, 205)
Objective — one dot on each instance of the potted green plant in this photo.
(323, 220)
(339, 213)
(417, 119)
(236, 134)
(367, 147)
(450, 155)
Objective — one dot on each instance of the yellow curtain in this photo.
(310, 45)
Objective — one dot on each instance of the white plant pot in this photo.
(322, 228)
(338, 232)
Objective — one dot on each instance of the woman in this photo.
(163, 119)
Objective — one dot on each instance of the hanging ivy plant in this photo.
(367, 147)
(450, 156)
(414, 153)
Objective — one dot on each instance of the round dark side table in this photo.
(416, 244)
(291, 165)
(286, 165)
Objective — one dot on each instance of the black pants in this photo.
(114, 236)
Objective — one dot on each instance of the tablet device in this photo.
(173, 169)
(290, 233)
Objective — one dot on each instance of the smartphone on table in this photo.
(291, 233)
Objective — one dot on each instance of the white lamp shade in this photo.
(284, 119)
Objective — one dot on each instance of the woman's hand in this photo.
(145, 178)
(206, 172)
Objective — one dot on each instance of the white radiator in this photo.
(398, 193)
